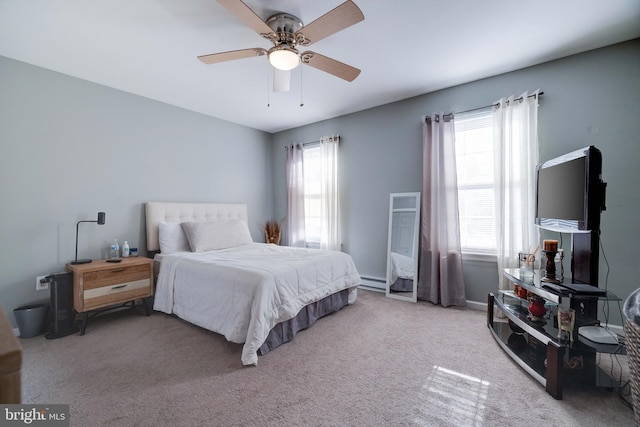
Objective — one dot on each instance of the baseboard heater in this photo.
(373, 283)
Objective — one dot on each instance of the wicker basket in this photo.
(632, 332)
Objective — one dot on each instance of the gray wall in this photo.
(70, 148)
(589, 99)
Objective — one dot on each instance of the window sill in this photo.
(473, 256)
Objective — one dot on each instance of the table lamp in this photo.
(100, 221)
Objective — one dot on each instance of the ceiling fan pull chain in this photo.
(301, 103)
(268, 86)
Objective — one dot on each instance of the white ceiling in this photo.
(403, 47)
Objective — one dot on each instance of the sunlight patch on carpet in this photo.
(452, 398)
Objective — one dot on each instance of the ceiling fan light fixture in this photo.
(284, 58)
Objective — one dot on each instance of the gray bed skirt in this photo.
(402, 285)
(285, 331)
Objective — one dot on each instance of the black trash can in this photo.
(31, 319)
(62, 313)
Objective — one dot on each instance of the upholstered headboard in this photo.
(157, 212)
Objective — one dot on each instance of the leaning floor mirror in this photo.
(402, 250)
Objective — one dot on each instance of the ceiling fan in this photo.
(287, 32)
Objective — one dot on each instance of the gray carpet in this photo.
(379, 362)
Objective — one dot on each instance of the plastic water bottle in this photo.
(115, 250)
(125, 250)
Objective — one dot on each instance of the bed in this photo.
(210, 273)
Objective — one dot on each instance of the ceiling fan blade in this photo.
(331, 66)
(330, 23)
(214, 58)
(246, 15)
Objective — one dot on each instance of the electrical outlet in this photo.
(41, 286)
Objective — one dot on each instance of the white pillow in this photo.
(172, 238)
(209, 236)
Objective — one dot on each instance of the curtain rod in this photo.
(492, 105)
(298, 145)
(314, 142)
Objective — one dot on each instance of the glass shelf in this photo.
(516, 309)
(513, 274)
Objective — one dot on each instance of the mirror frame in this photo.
(416, 239)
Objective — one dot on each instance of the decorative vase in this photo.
(537, 309)
(273, 231)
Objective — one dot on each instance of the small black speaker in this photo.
(63, 315)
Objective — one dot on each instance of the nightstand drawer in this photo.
(107, 278)
(116, 293)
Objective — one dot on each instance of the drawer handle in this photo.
(119, 270)
(119, 287)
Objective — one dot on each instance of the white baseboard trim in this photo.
(368, 288)
(475, 305)
(371, 285)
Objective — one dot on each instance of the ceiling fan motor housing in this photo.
(283, 55)
(285, 26)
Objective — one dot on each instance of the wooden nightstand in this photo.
(10, 363)
(101, 284)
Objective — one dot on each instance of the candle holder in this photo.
(550, 267)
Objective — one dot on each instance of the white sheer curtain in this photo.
(330, 237)
(295, 196)
(440, 271)
(515, 130)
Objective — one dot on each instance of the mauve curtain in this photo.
(515, 132)
(295, 196)
(440, 271)
(330, 236)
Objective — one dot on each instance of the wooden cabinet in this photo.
(102, 284)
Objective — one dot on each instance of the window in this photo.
(313, 195)
(476, 182)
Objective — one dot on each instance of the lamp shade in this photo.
(284, 58)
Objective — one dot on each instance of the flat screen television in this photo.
(570, 193)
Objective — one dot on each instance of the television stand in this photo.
(535, 346)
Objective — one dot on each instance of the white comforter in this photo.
(402, 267)
(243, 292)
